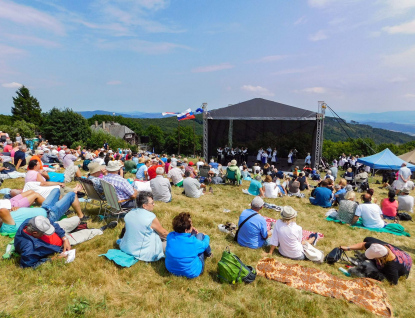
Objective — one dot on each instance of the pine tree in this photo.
(26, 107)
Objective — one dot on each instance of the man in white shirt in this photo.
(176, 175)
(404, 175)
(405, 201)
(370, 213)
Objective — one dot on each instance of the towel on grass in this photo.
(56, 177)
(364, 292)
(391, 228)
(120, 258)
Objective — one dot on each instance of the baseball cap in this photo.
(42, 224)
(257, 202)
(376, 251)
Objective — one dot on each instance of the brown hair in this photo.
(343, 182)
(266, 166)
(268, 178)
(182, 222)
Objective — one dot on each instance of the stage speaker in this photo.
(145, 139)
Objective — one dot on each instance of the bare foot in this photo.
(78, 188)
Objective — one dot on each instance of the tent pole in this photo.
(178, 130)
(230, 133)
(205, 131)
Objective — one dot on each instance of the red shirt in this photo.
(152, 171)
(53, 239)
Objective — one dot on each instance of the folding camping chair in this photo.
(91, 193)
(112, 206)
(231, 177)
(203, 173)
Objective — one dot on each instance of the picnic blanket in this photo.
(306, 233)
(120, 258)
(364, 292)
(391, 228)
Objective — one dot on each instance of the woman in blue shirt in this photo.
(186, 249)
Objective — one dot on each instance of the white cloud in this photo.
(212, 68)
(270, 58)
(400, 4)
(314, 90)
(6, 50)
(405, 28)
(403, 59)
(140, 46)
(257, 89)
(31, 40)
(30, 17)
(114, 83)
(12, 85)
(295, 71)
(301, 20)
(320, 35)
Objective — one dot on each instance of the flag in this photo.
(169, 113)
(199, 110)
(187, 114)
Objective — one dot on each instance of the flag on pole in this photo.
(187, 114)
(169, 113)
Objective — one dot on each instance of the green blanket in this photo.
(392, 228)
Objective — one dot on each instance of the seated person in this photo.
(126, 194)
(213, 164)
(129, 164)
(52, 208)
(391, 261)
(390, 206)
(190, 168)
(340, 190)
(97, 170)
(253, 232)
(245, 173)
(289, 236)
(23, 200)
(349, 173)
(370, 213)
(48, 157)
(71, 171)
(307, 170)
(144, 237)
(270, 189)
(347, 208)
(361, 176)
(38, 237)
(20, 157)
(192, 187)
(161, 187)
(329, 175)
(406, 201)
(323, 196)
(302, 179)
(187, 249)
(330, 184)
(175, 174)
(142, 172)
(294, 186)
(255, 186)
(35, 174)
(233, 172)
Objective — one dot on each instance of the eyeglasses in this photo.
(151, 203)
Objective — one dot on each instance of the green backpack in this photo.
(231, 269)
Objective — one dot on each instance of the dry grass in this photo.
(92, 286)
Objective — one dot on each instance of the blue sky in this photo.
(161, 55)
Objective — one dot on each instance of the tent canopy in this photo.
(384, 160)
(261, 109)
(408, 157)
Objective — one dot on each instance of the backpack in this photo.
(335, 255)
(404, 217)
(231, 269)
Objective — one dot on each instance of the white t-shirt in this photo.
(406, 203)
(43, 191)
(371, 215)
(405, 172)
(288, 237)
(200, 164)
(271, 190)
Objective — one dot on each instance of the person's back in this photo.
(322, 197)
(406, 203)
(161, 188)
(129, 165)
(347, 210)
(389, 208)
(253, 233)
(370, 214)
(271, 190)
(192, 188)
(289, 236)
(294, 186)
(140, 240)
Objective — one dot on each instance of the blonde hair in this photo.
(288, 220)
(268, 178)
(350, 195)
(343, 182)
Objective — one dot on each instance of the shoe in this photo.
(225, 229)
(110, 225)
(315, 235)
(85, 218)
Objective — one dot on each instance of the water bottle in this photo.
(344, 271)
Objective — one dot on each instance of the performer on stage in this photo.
(259, 156)
(244, 154)
(264, 157)
(274, 156)
(290, 159)
(220, 155)
(269, 150)
(307, 160)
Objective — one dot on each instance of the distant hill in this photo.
(334, 131)
(89, 114)
(404, 128)
(401, 117)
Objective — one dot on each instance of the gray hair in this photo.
(173, 164)
(160, 171)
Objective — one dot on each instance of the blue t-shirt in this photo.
(254, 187)
(164, 159)
(214, 165)
(341, 193)
(140, 172)
(19, 216)
(323, 197)
(182, 252)
(253, 233)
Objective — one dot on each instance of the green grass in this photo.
(92, 286)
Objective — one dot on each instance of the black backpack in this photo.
(335, 255)
(404, 217)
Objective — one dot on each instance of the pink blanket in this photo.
(306, 233)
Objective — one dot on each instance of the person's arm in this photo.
(51, 183)
(162, 162)
(261, 192)
(161, 231)
(355, 219)
(201, 246)
(19, 162)
(45, 175)
(355, 247)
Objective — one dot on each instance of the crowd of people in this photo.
(40, 232)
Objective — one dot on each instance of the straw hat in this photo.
(113, 166)
(94, 167)
(288, 213)
(233, 162)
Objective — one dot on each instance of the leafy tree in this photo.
(6, 120)
(187, 141)
(26, 130)
(156, 136)
(65, 127)
(97, 139)
(26, 107)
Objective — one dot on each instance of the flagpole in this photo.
(178, 129)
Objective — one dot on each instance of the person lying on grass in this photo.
(288, 236)
(391, 261)
(186, 249)
(52, 208)
(22, 200)
(37, 238)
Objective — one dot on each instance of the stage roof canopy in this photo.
(261, 109)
